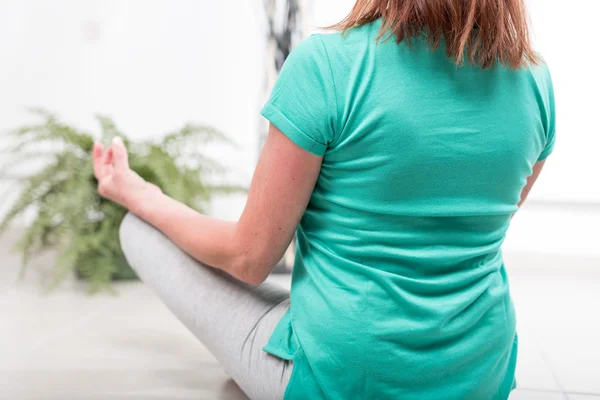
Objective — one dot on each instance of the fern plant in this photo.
(71, 216)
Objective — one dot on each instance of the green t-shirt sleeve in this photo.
(302, 104)
(550, 116)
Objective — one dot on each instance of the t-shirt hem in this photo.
(278, 352)
(277, 118)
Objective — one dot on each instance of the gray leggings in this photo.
(232, 319)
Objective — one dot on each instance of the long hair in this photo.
(481, 31)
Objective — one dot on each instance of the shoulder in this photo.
(544, 90)
(335, 44)
(327, 53)
(543, 85)
(311, 47)
(309, 54)
(541, 74)
(334, 52)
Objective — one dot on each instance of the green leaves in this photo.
(50, 130)
(71, 216)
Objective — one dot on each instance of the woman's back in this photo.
(399, 287)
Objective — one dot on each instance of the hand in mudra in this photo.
(116, 181)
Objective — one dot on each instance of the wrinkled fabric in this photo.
(399, 286)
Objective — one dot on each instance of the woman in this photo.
(399, 149)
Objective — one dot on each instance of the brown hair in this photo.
(485, 31)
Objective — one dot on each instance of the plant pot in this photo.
(123, 273)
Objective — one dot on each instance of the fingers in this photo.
(113, 158)
(107, 160)
(97, 154)
(119, 151)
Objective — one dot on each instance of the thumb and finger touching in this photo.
(97, 154)
(113, 158)
(120, 160)
(111, 168)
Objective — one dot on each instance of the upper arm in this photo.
(548, 109)
(303, 103)
(542, 74)
(302, 110)
(280, 191)
(537, 169)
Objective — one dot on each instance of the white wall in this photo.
(565, 33)
(154, 64)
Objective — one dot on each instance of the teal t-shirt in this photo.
(399, 289)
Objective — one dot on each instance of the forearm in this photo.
(248, 249)
(209, 240)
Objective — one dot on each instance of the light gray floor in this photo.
(68, 345)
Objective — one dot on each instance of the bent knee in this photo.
(134, 236)
(127, 231)
(144, 245)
